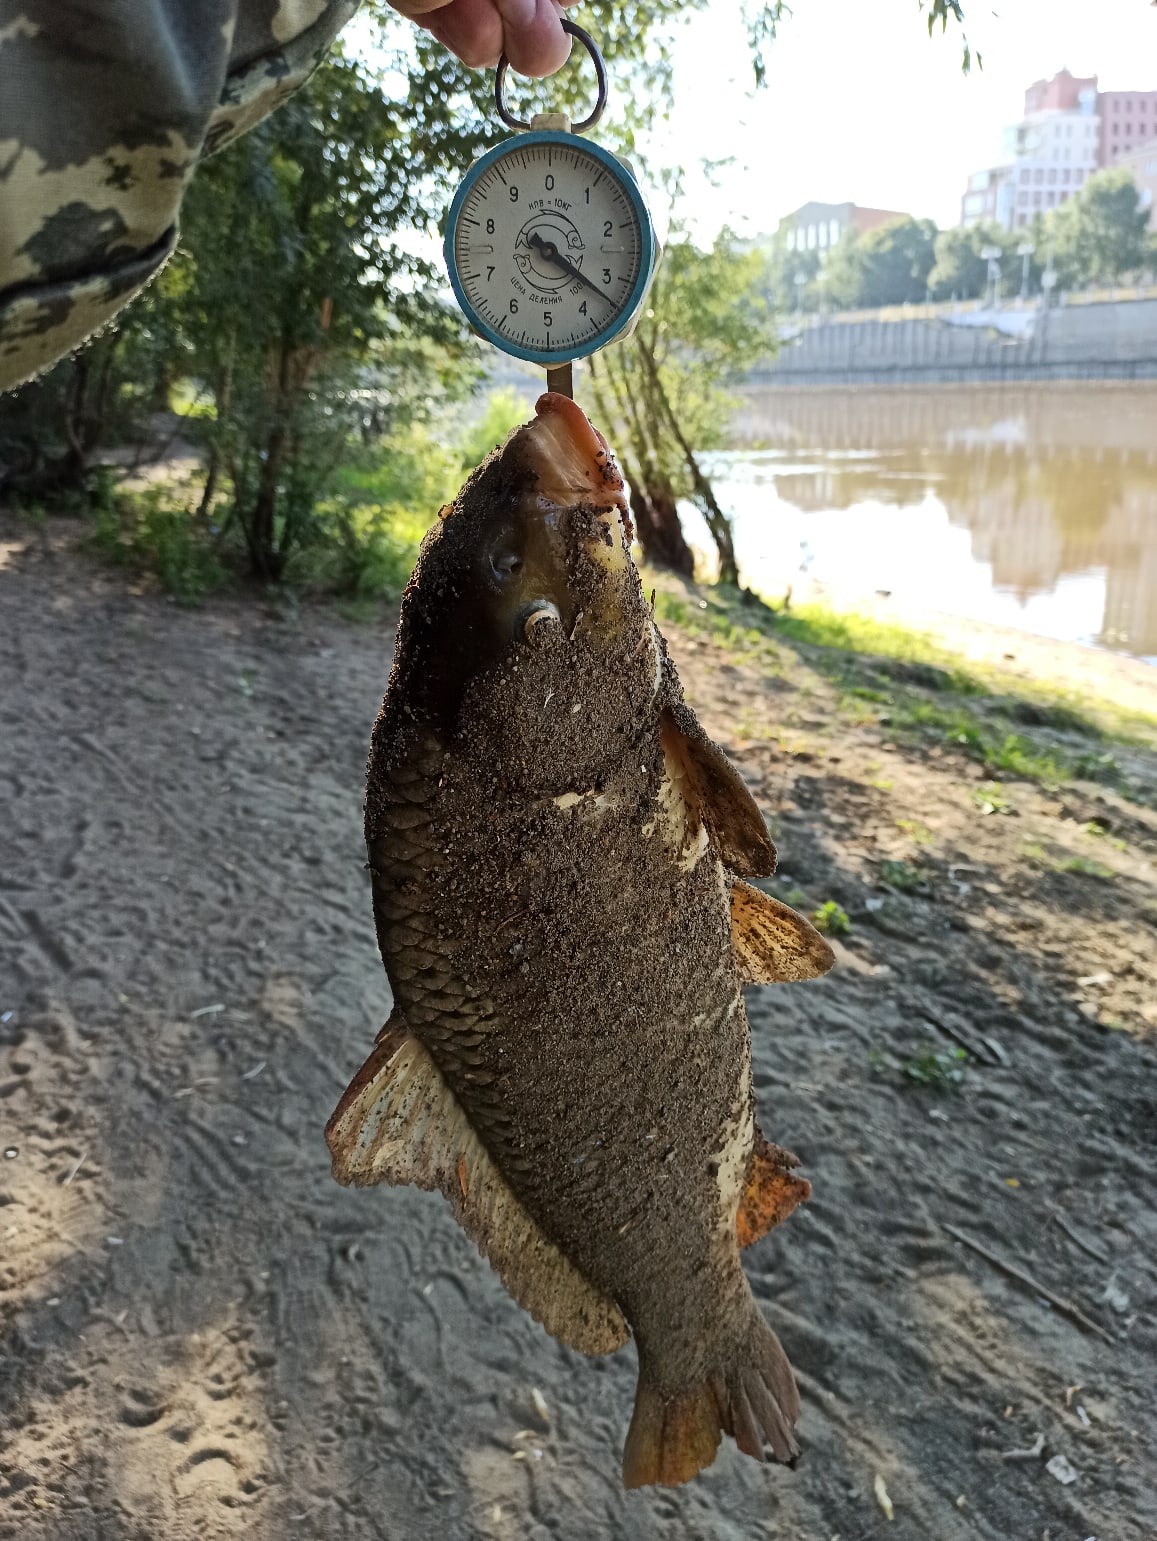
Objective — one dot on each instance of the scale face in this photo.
(549, 247)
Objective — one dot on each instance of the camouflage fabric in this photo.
(106, 106)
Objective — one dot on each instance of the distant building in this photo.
(1069, 130)
(819, 226)
(1060, 94)
(1142, 164)
(1051, 156)
(1128, 120)
(988, 198)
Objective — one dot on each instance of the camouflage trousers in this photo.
(106, 106)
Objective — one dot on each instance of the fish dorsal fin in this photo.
(718, 794)
(399, 1122)
(773, 943)
(771, 1193)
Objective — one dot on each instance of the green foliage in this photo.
(1101, 233)
(940, 1070)
(961, 273)
(156, 533)
(990, 799)
(888, 266)
(902, 876)
(1085, 867)
(831, 919)
(504, 410)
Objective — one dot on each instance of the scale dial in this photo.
(549, 247)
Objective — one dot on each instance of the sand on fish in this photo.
(203, 1336)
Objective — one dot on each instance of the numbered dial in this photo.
(549, 247)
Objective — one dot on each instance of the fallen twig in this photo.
(1086, 1246)
(979, 1048)
(1058, 1302)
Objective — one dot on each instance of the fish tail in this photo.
(750, 1393)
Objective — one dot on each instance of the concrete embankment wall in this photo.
(1115, 340)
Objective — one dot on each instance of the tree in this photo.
(1101, 233)
(664, 391)
(960, 272)
(887, 266)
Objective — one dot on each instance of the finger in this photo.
(472, 29)
(533, 37)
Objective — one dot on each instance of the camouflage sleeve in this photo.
(106, 106)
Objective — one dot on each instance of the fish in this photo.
(560, 860)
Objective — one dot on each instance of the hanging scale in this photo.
(549, 245)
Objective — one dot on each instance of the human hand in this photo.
(529, 32)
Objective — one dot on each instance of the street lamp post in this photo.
(1024, 251)
(991, 255)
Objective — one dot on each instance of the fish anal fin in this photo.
(399, 1122)
(720, 794)
(773, 943)
(771, 1192)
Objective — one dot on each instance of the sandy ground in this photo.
(204, 1337)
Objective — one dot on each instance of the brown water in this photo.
(1029, 506)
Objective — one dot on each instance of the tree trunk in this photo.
(717, 521)
(652, 504)
(265, 560)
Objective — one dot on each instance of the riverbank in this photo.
(204, 1336)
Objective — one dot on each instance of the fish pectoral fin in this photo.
(773, 943)
(771, 1192)
(399, 1122)
(719, 794)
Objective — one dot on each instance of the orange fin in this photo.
(399, 1122)
(720, 794)
(772, 1191)
(773, 943)
(750, 1395)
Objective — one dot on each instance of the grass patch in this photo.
(159, 532)
(832, 919)
(990, 799)
(902, 876)
(940, 1070)
(923, 694)
(1085, 867)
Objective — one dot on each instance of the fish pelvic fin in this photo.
(773, 943)
(750, 1393)
(399, 1122)
(771, 1192)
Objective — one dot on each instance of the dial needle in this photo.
(552, 254)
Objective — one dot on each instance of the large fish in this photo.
(557, 851)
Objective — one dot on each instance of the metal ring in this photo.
(592, 48)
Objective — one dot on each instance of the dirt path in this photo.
(204, 1337)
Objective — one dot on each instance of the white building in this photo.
(1047, 156)
(1051, 156)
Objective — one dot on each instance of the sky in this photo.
(861, 104)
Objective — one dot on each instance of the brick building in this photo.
(818, 226)
(1128, 119)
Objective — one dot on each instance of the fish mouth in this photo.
(571, 461)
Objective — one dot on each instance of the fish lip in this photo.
(571, 460)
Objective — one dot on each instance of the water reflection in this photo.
(1030, 506)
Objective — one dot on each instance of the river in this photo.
(1027, 506)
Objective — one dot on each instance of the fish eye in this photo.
(505, 560)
